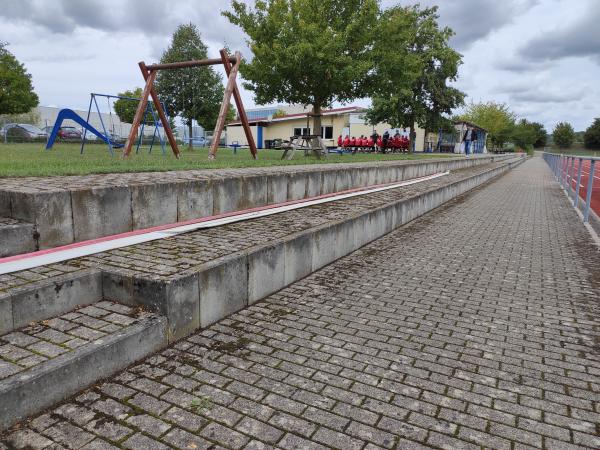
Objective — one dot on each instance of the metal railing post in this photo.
(588, 194)
(571, 172)
(576, 199)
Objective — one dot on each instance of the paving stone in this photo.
(259, 430)
(148, 424)
(47, 349)
(227, 436)
(27, 439)
(7, 369)
(184, 419)
(141, 442)
(179, 438)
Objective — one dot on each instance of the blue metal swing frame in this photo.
(106, 137)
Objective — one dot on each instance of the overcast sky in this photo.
(542, 57)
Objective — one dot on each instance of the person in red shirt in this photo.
(340, 141)
(379, 144)
(347, 141)
(370, 144)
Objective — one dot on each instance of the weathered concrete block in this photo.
(194, 200)
(5, 209)
(343, 180)
(50, 212)
(328, 181)
(223, 289)
(266, 272)
(296, 186)
(17, 238)
(117, 287)
(255, 191)
(276, 188)
(44, 301)
(183, 306)
(298, 257)
(345, 240)
(153, 204)
(101, 212)
(6, 314)
(228, 195)
(150, 292)
(313, 184)
(323, 247)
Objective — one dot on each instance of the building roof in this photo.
(325, 112)
(457, 122)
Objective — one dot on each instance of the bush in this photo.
(591, 138)
(563, 135)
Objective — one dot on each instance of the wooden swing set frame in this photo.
(231, 65)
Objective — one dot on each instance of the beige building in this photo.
(334, 122)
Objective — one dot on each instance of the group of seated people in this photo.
(375, 143)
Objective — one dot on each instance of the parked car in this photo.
(69, 134)
(197, 141)
(23, 132)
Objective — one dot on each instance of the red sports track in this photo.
(585, 174)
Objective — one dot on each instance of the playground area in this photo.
(20, 160)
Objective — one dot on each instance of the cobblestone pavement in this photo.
(40, 341)
(184, 253)
(476, 326)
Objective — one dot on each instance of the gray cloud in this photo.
(473, 20)
(578, 39)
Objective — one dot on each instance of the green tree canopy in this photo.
(541, 135)
(193, 93)
(126, 109)
(496, 118)
(414, 64)
(524, 134)
(563, 135)
(16, 90)
(312, 52)
(591, 138)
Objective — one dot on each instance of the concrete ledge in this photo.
(46, 299)
(17, 237)
(48, 383)
(107, 206)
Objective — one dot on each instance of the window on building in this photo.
(327, 132)
(301, 131)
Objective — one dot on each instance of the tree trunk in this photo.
(190, 131)
(413, 137)
(316, 120)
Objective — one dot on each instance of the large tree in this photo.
(312, 52)
(563, 135)
(414, 65)
(591, 138)
(16, 89)
(192, 93)
(541, 135)
(496, 118)
(524, 134)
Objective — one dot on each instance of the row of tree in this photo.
(564, 136)
(503, 126)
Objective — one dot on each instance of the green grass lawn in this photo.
(575, 151)
(17, 160)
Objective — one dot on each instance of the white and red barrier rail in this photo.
(85, 248)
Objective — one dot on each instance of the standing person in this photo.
(467, 140)
(340, 141)
(375, 136)
(385, 140)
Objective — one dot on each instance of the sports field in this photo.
(65, 159)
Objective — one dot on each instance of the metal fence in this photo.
(569, 171)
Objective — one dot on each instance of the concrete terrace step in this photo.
(76, 208)
(16, 236)
(46, 361)
(190, 280)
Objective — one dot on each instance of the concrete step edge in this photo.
(48, 383)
